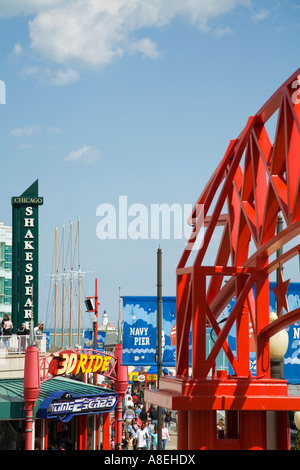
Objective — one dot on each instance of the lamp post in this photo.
(278, 434)
(159, 342)
(297, 424)
(93, 307)
(278, 347)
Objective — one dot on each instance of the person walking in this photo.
(141, 438)
(154, 438)
(128, 415)
(149, 430)
(153, 415)
(168, 419)
(164, 436)
(7, 329)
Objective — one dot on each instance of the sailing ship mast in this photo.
(79, 282)
(63, 290)
(56, 276)
(63, 278)
(71, 286)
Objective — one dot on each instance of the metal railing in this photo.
(17, 344)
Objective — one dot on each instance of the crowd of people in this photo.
(6, 331)
(140, 425)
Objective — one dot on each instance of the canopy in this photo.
(12, 404)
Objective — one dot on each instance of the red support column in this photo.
(105, 431)
(262, 320)
(183, 316)
(31, 390)
(199, 325)
(182, 425)
(242, 332)
(253, 430)
(283, 432)
(82, 432)
(202, 430)
(231, 424)
(121, 385)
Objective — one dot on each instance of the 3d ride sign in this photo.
(68, 362)
(25, 256)
(63, 405)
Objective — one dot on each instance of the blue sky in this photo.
(129, 97)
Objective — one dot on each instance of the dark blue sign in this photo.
(64, 406)
(88, 340)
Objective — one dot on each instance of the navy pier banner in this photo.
(25, 256)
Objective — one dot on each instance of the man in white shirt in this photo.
(141, 436)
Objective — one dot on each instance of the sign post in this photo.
(25, 257)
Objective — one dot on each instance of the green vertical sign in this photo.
(25, 260)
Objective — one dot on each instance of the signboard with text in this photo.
(25, 256)
(68, 362)
(63, 405)
(140, 331)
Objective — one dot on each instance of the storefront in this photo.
(67, 413)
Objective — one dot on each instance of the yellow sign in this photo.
(72, 363)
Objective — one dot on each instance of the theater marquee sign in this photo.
(25, 255)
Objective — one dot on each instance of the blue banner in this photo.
(292, 356)
(88, 340)
(140, 331)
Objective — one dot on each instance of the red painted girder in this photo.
(229, 323)
(269, 108)
(228, 291)
(224, 191)
(282, 322)
(295, 251)
(223, 394)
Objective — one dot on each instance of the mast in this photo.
(63, 290)
(79, 282)
(55, 311)
(71, 287)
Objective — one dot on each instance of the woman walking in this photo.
(164, 436)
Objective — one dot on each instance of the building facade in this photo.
(5, 270)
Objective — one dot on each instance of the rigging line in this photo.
(75, 246)
(60, 251)
(49, 290)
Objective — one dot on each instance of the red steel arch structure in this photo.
(257, 179)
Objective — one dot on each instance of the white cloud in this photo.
(96, 32)
(25, 145)
(86, 155)
(146, 47)
(218, 33)
(24, 131)
(28, 131)
(17, 50)
(58, 77)
(61, 76)
(53, 130)
(93, 33)
(260, 15)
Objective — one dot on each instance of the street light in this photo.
(297, 419)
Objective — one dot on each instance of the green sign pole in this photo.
(25, 259)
